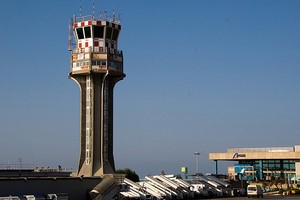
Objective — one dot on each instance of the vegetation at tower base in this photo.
(130, 174)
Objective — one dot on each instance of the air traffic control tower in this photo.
(96, 66)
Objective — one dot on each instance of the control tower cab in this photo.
(96, 47)
(96, 66)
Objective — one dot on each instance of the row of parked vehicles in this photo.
(37, 197)
(172, 187)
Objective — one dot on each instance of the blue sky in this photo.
(202, 75)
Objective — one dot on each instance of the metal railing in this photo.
(101, 17)
(16, 166)
(98, 50)
(31, 167)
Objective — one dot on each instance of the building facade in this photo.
(261, 163)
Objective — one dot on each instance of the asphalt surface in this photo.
(265, 197)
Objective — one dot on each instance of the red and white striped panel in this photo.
(85, 23)
(98, 23)
(98, 43)
(85, 43)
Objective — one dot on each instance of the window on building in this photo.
(98, 31)
(79, 32)
(98, 62)
(292, 166)
(115, 34)
(87, 32)
(108, 32)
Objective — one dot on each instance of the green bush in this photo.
(130, 174)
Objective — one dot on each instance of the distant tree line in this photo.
(130, 174)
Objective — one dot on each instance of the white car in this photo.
(255, 191)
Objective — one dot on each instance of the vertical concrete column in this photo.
(297, 163)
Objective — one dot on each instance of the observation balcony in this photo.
(96, 59)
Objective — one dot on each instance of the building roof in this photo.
(269, 153)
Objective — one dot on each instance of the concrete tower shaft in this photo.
(96, 127)
(96, 66)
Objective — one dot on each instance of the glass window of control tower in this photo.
(83, 32)
(98, 31)
(108, 33)
(115, 34)
(79, 32)
(87, 32)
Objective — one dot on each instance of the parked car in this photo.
(254, 191)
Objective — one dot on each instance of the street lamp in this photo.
(197, 154)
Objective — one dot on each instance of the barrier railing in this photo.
(101, 17)
(98, 50)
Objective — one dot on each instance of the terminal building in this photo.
(261, 163)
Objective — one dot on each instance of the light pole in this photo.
(197, 154)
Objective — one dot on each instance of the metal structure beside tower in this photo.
(96, 66)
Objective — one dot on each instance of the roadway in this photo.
(265, 197)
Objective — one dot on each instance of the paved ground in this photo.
(265, 197)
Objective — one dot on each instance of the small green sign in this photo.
(184, 170)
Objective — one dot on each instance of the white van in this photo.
(255, 191)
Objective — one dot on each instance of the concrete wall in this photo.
(255, 155)
(75, 187)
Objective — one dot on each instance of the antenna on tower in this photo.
(105, 14)
(119, 18)
(70, 35)
(93, 9)
(80, 8)
(113, 16)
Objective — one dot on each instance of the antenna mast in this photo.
(113, 17)
(93, 9)
(80, 8)
(20, 162)
(70, 35)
